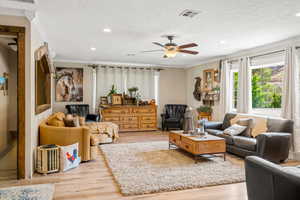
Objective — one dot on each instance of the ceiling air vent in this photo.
(189, 13)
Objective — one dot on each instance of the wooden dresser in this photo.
(131, 118)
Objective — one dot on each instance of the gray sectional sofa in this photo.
(273, 144)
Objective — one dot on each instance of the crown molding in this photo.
(18, 5)
(113, 63)
(279, 45)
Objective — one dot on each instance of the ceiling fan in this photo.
(171, 49)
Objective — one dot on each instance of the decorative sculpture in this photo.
(4, 83)
(197, 90)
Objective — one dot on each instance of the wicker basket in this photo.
(47, 159)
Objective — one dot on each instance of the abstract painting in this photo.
(69, 84)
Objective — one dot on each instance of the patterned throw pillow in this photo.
(234, 130)
(69, 157)
(71, 121)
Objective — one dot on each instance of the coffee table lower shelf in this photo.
(198, 156)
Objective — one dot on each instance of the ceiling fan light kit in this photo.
(171, 49)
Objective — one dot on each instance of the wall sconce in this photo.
(4, 83)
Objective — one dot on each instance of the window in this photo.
(266, 83)
(234, 76)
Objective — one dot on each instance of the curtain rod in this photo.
(104, 66)
(260, 55)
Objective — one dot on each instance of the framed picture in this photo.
(103, 100)
(116, 99)
(69, 84)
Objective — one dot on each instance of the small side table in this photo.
(204, 115)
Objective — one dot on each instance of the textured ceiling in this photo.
(73, 26)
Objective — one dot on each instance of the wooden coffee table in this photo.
(198, 146)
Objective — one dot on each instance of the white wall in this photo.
(87, 86)
(172, 88)
(4, 100)
(33, 40)
(191, 74)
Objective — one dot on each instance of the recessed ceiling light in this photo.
(298, 14)
(93, 49)
(107, 30)
(222, 42)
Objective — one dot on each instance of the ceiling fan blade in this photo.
(188, 52)
(156, 43)
(188, 46)
(152, 51)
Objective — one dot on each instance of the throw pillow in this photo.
(234, 130)
(71, 121)
(57, 119)
(69, 157)
(81, 121)
(249, 123)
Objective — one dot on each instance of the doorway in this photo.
(12, 102)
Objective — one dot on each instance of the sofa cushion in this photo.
(214, 132)
(173, 120)
(227, 120)
(228, 138)
(245, 142)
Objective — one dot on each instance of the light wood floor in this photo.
(93, 180)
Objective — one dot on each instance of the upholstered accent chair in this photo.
(173, 116)
(83, 110)
(268, 181)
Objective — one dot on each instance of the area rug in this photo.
(31, 192)
(142, 168)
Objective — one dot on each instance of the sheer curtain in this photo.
(124, 78)
(244, 103)
(225, 93)
(290, 97)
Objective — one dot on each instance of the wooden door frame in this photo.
(19, 32)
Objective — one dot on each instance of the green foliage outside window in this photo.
(266, 87)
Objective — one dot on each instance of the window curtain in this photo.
(225, 90)
(244, 103)
(143, 79)
(290, 98)
(123, 78)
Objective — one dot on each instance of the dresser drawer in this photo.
(148, 126)
(144, 110)
(148, 118)
(116, 111)
(129, 126)
(111, 119)
(129, 119)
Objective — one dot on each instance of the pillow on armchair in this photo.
(69, 157)
(56, 119)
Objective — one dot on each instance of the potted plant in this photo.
(112, 91)
(132, 91)
(204, 110)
